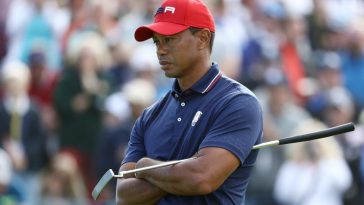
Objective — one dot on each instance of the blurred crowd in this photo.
(74, 80)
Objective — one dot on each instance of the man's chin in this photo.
(170, 75)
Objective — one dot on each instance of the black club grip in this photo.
(320, 134)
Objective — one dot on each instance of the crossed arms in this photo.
(199, 176)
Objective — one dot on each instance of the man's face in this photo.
(177, 54)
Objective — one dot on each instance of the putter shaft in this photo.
(133, 171)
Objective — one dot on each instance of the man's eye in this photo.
(168, 39)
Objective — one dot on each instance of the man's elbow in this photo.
(202, 185)
(205, 188)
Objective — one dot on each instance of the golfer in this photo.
(206, 115)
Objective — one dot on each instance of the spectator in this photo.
(21, 130)
(281, 116)
(140, 12)
(138, 94)
(353, 62)
(314, 173)
(79, 98)
(328, 76)
(42, 86)
(147, 67)
(232, 34)
(294, 52)
(38, 34)
(120, 71)
(316, 25)
(20, 11)
(340, 109)
(80, 12)
(62, 183)
(263, 44)
(43, 79)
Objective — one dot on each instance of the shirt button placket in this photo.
(182, 105)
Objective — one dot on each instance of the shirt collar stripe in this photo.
(212, 83)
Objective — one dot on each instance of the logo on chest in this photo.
(196, 118)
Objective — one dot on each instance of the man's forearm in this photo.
(173, 180)
(198, 176)
(134, 191)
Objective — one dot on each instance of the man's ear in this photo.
(204, 36)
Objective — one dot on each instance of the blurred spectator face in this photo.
(15, 87)
(295, 28)
(119, 53)
(279, 96)
(270, 23)
(355, 36)
(76, 4)
(334, 40)
(328, 69)
(87, 61)
(140, 93)
(355, 43)
(64, 172)
(16, 78)
(273, 14)
(335, 115)
(37, 65)
(340, 107)
(330, 77)
(88, 50)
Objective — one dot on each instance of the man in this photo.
(205, 115)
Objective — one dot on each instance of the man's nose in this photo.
(162, 49)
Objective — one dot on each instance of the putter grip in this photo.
(320, 134)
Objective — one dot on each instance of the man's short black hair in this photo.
(195, 30)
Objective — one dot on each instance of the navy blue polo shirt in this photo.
(215, 112)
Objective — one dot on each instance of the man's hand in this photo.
(132, 191)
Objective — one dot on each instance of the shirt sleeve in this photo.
(237, 127)
(136, 148)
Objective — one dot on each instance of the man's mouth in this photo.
(164, 64)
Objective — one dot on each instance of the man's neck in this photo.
(199, 71)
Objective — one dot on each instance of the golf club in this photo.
(105, 179)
